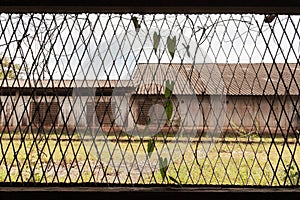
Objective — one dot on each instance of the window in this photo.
(104, 113)
(44, 113)
(143, 111)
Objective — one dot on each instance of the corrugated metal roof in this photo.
(230, 79)
(210, 79)
(261, 79)
(63, 83)
(151, 79)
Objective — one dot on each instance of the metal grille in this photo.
(208, 99)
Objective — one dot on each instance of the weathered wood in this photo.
(167, 188)
(132, 193)
(154, 6)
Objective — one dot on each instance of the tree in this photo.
(9, 70)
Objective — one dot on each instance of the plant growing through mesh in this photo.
(168, 106)
(292, 175)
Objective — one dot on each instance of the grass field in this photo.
(232, 161)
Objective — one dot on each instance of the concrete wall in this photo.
(269, 114)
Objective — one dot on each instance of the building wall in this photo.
(262, 114)
(269, 114)
(17, 113)
(8, 114)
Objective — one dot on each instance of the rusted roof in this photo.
(151, 79)
(210, 79)
(62, 83)
(261, 79)
(229, 79)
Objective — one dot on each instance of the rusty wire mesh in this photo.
(206, 99)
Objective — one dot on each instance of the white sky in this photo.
(114, 47)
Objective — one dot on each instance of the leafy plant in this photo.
(136, 23)
(171, 44)
(163, 162)
(156, 39)
(163, 167)
(8, 70)
(150, 147)
(174, 180)
(292, 174)
(168, 105)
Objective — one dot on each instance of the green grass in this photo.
(233, 162)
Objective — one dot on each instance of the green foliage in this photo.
(156, 39)
(171, 44)
(175, 181)
(248, 156)
(168, 105)
(169, 88)
(293, 175)
(163, 167)
(8, 70)
(150, 147)
(136, 23)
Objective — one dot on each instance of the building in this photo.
(262, 98)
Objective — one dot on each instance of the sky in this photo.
(102, 46)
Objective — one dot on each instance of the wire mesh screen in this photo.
(208, 99)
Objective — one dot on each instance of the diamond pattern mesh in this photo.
(150, 99)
